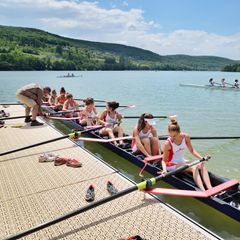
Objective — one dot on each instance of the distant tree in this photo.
(110, 60)
(59, 50)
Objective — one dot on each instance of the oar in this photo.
(121, 106)
(219, 84)
(62, 112)
(140, 186)
(129, 117)
(229, 84)
(102, 140)
(9, 118)
(202, 138)
(63, 118)
(95, 100)
(13, 103)
(71, 135)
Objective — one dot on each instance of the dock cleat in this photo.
(90, 195)
(111, 189)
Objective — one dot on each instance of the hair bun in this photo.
(173, 119)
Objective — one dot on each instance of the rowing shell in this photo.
(210, 87)
(227, 202)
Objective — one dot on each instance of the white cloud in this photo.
(87, 20)
(125, 3)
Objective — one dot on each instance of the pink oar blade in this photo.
(191, 193)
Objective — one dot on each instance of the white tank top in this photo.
(178, 151)
(90, 114)
(143, 135)
(111, 120)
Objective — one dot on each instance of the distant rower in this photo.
(236, 84)
(223, 83)
(211, 82)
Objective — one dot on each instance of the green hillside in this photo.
(33, 49)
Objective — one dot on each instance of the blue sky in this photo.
(194, 27)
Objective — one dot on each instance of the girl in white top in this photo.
(173, 155)
(145, 137)
(89, 115)
(112, 119)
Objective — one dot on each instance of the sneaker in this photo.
(47, 157)
(73, 163)
(27, 119)
(90, 195)
(59, 161)
(35, 123)
(111, 189)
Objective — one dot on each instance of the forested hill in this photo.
(33, 49)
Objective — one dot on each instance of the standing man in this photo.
(31, 96)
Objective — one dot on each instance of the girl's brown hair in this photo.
(54, 92)
(173, 126)
(113, 105)
(69, 95)
(88, 101)
(141, 122)
(62, 90)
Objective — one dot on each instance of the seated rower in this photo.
(145, 137)
(62, 97)
(223, 83)
(236, 84)
(173, 155)
(211, 82)
(112, 119)
(52, 101)
(89, 115)
(71, 104)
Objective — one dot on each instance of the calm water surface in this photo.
(201, 112)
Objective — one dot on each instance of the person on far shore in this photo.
(173, 155)
(71, 105)
(89, 114)
(223, 83)
(236, 84)
(31, 96)
(211, 82)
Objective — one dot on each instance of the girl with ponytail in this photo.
(145, 137)
(112, 119)
(173, 155)
(89, 114)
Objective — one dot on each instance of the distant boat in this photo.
(210, 87)
(69, 76)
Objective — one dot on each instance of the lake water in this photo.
(201, 112)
